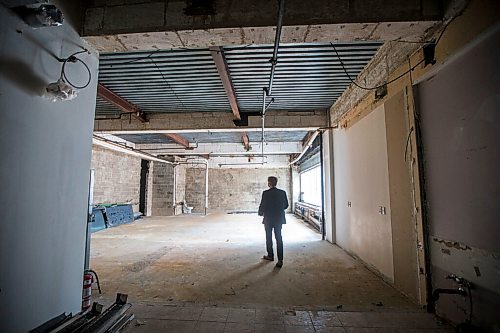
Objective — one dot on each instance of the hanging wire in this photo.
(376, 87)
(401, 41)
(166, 82)
(136, 59)
(153, 53)
(73, 59)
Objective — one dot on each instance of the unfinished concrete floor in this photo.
(176, 270)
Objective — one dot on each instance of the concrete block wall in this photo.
(163, 187)
(195, 189)
(232, 189)
(117, 177)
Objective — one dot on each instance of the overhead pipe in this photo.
(246, 163)
(174, 192)
(274, 59)
(306, 147)
(200, 161)
(98, 141)
(263, 117)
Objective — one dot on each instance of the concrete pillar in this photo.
(163, 187)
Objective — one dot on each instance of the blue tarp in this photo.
(107, 216)
(119, 214)
(98, 220)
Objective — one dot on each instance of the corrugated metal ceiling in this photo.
(308, 77)
(217, 137)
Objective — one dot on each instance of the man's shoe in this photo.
(268, 258)
(279, 264)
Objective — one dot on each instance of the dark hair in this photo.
(272, 180)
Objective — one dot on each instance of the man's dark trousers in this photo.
(269, 240)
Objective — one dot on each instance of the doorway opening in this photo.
(143, 186)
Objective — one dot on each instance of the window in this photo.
(310, 186)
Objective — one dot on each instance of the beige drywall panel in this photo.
(400, 189)
(361, 178)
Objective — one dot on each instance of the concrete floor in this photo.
(194, 265)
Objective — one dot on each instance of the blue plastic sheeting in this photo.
(119, 214)
(98, 220)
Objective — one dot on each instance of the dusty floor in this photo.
(216, 260)
(204, 274)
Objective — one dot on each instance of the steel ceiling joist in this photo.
(177, 138)
(119, 102)
(225, 76)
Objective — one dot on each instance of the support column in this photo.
(163, 187)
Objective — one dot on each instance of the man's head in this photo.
(272, 181)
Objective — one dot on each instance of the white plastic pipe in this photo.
(306, 147)
(126, 150)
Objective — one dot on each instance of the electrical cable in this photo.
(150, 55)
(376, 87)
(401, 41)
(136, 59)
(407, 142)
(72, 58)
(166, 81)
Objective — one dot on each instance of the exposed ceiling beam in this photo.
(213, 122)
(225, 76)
(178, 139)
(121, 103)
(246, 141)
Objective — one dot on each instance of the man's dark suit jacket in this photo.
(273, 205)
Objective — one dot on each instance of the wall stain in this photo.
(453, 244)
(446, 251)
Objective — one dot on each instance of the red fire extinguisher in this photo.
(88, 279)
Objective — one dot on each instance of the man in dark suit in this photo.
(272, 207)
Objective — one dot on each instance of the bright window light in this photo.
(310, 186)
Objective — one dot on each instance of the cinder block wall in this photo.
(232, 189)
(195, 189)
(117, 177)
(163, 187)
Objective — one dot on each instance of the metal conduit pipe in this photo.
(206, 188)
(306, 147)
(274, 59)
(263, 123)
(98, 141)
(200, 161)
(174, 192)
